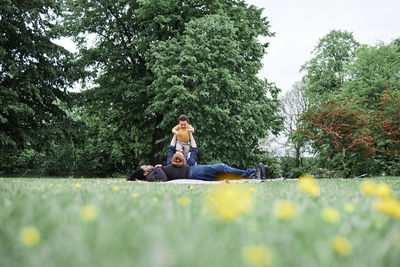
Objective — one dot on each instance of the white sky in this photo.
(298, 26)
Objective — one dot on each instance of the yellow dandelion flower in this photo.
(331, 215)
(229, 201)
(368, 188)
(376, 190)
(155, 199)
(191, 187)
(349, 208)
(88, 213)
(308, 184)
(51, 185)
(115, 188)
(78, 186)
(257, 255)
(184, 201)
(383, 191)
(30, 236)
(341, 246)
(285, 210)
(134, 195)
(389, 207)
(253, 189)
(58, 185)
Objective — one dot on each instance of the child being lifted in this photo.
(182, 131)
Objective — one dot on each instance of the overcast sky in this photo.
(298, 26)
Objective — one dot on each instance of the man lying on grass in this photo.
(179, 168)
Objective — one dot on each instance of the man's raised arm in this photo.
(171, 149)
(193, 155)
(192, 141)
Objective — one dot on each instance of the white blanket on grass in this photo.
(191, 181)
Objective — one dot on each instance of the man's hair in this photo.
(138, 174)
(183, 118)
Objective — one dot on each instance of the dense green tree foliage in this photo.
(154, 60)
(210, 74)
(34, 75)
(375, 69)
(326, 72)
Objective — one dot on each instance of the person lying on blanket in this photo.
(179, 168)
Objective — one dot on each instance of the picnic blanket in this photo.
(191, 181)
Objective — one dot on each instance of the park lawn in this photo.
(151, 224)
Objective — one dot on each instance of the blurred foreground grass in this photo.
(56, 222)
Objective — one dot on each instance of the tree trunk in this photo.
(297, 148)
(157, 147)
(346, 170)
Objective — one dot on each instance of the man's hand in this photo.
(190, 130)
(176, 133)
(158, 165)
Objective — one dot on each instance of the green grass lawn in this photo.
(144, 224)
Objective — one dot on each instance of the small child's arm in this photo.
(175, 129)
(190, 129)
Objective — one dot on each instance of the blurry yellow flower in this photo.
(285, 210)
(376, 190)
(134, 195)
(368, 188)
(257, 255)
(115, 188)
(389, 207)
(308, 184)
(51, 185)
(190, 187)
(349, 208)
(78, 186)
(252, 189)
(155, 199)
(58, 185)
(383, 191)
(341, 245)
(30, 236)
(184, 201)
(330, 215)
(88, 213)
(229, 201)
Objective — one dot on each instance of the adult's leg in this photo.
(211, 172)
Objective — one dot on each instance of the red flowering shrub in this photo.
(339, 129)
(387, 128)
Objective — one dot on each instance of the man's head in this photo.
(141, 172)
(183, 121)
(178, 159)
